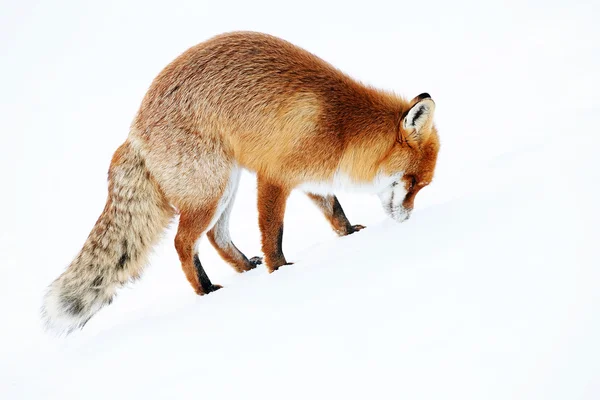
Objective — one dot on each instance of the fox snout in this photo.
(401, 214)
(398, 213)
(393, 201)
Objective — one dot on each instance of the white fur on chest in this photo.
(343, 183)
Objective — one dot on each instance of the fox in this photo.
(242, 101)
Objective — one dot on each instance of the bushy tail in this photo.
(135, 215)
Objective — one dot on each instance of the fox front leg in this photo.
(271, 209)
(332, 210)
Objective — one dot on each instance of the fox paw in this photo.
(249, 265)
(212, 288)
(355, 228)
(256, 261)
(273, 269)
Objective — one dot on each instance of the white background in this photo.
(489, 291)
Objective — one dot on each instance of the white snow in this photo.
(490, 291)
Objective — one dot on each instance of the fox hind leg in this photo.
(192, 224)
(221, 241)
(219, 234)
(195, 171)
(332, 210)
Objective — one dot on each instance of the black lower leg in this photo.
(204, 280)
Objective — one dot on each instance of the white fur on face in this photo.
(392, 198)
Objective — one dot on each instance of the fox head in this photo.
(411, 162)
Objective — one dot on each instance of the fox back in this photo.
(281, 110)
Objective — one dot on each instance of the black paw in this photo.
(256, 261)
(213, 288)
(355, 228)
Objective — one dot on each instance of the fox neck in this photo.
(345, 183)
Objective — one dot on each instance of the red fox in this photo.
(253, 101)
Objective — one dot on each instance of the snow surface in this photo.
(490, 291)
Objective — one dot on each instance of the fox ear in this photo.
(418, 119)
